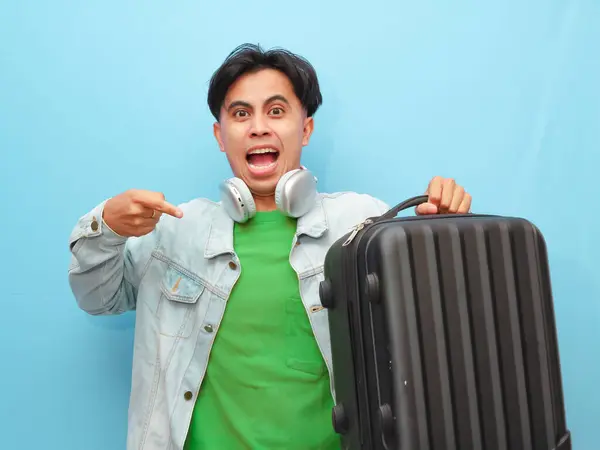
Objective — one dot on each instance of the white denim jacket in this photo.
(178, 279)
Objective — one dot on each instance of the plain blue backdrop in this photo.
(98, 97)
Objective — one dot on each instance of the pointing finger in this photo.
(152, 214)
(157, 202)
(168, 208)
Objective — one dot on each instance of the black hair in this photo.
(249, 58)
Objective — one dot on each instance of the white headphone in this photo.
(295, 195)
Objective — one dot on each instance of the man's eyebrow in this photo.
(239, 103)
(242, 103)
(277, 97)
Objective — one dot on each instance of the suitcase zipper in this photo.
(356, 229)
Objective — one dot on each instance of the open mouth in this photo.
(262, 158)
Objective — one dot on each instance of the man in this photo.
(232, 346)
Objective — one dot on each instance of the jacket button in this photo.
(94, 225)
(208, 328)
(188, 395)
(232, 265)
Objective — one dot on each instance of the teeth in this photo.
(263, 167)
(263, 150)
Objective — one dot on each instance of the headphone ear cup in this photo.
(296, 192)
(237, 200)
(281, 187)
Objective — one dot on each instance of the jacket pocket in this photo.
(177, 308)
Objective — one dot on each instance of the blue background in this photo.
(99, 97)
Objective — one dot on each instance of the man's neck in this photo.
(265, 203)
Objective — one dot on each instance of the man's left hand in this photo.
(445, 197)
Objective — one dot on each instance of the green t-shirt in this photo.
(266, 386)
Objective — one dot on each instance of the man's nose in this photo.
(259, 127)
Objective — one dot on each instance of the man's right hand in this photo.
(136, 212)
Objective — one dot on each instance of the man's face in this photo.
(262, 129)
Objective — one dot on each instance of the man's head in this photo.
(264, 102)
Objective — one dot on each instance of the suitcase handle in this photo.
(390, 214)
(393, 212)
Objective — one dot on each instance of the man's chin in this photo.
(262, 184)
(263, 189)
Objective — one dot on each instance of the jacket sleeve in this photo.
(106, 268)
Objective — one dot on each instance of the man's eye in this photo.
(277, 111)
(240, 113)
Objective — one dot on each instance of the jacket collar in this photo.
(314, 222)
(220, 236)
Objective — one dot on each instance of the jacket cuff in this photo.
(92, 225)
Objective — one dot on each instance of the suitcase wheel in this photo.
(372, 288)
(339, 419)
(325, 294)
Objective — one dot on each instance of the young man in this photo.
(232, 346)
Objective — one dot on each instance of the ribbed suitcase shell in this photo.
(443, 336)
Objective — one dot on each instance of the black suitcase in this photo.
(443, 335)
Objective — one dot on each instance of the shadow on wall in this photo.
(119, 322)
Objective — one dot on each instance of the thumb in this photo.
(426, 208)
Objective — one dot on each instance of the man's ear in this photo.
(309, 124)
(217, 133)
